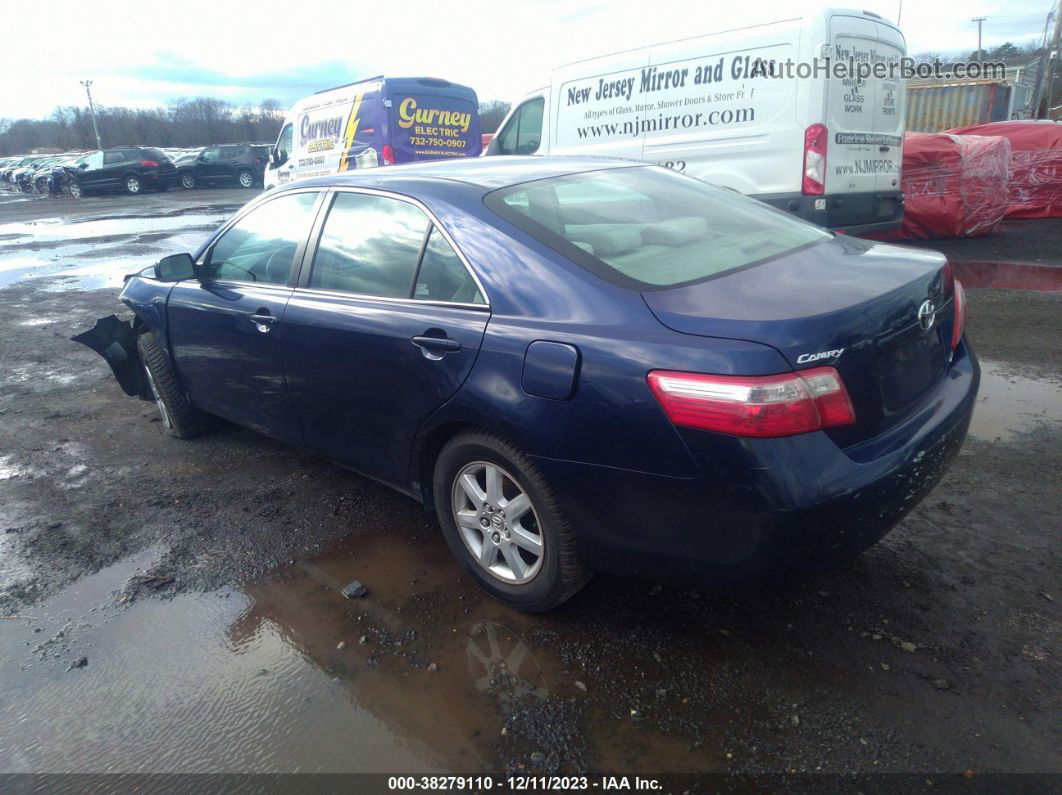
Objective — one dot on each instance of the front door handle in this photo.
(262, 321)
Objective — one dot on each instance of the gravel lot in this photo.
(175, 605)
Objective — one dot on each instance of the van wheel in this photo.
(187, 181)
(245, 178)
(133, 184)
(180, 418)
(502, 522)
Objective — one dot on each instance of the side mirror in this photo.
(82, 167)
(175, 268)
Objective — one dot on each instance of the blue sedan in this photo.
(580, 365)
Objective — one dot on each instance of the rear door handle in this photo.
(437, 343)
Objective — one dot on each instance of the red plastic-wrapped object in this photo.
(953, 186)
(1035, 165)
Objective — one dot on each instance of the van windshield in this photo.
(649, 228)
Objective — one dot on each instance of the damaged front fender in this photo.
(115, 340)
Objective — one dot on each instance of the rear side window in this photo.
(443, 276)
(649, 228)
(369, 245)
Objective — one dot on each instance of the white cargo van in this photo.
(376, 122)
(746, 109)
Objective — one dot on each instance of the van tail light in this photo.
(959, 323)
(388, 153)
(772, 405)
(815, 138)
(149, 163)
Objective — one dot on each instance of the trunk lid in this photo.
(847, 303)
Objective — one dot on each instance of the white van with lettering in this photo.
(806, 114)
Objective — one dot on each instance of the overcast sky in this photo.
(144, 52)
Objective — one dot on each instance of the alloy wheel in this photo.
(497, 522)
(132, 185)
(187, 181)
(158, 400)
(246, 180)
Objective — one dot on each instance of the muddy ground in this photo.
(175, 605)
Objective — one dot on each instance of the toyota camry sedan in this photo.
(579, 365)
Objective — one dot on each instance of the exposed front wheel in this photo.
(179, 417)
(502, 522)
(75, 189)
(187, 181)
(245, 178)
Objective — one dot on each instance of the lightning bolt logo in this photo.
(352, 130)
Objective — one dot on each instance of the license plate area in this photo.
(909, 369)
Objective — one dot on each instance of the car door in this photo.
(225, 327)
(383, 329)
(225, 165)
(206, 165)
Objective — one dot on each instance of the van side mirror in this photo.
(278, 157)
(175, 268)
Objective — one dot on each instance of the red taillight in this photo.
(388, 153)
(258, 161)
(814, 180)
(959, 321)
(771, 405)
(149, 163)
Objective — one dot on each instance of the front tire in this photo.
(188, 181)
(503, 523)
(74, 189)
(180, 418)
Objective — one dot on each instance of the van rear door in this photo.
(431, 119)
(864, 115)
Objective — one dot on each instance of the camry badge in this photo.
(927, 314)
(804, 358)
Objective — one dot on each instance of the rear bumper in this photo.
(854, 213)
(764, 505)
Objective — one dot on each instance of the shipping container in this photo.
(933, 107)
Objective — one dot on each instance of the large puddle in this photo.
(88, 255)
(1009, 404)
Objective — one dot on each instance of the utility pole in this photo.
(899, 13)
(980, 54)
(92, 109)
(1052, 60)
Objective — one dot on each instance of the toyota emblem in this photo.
(927, 314)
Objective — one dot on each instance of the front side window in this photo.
(261, 246)
(210, 154)
(443, 276)
(649, 228)
(369, 245)
(523, 134)
(284, 142)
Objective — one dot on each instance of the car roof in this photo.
(489, 173)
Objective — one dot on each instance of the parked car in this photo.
(8, 174)
(132, 169)
(376, 122)
(725, 107)
(228, 164)
(579, 364)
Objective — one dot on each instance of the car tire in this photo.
(133, 185)
(180, 418)
(550, 577)
(244, 178)
(74, 189)
(188, 181)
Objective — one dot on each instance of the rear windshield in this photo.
(649, 228)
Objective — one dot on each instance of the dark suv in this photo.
(239, 164)
(132, 169)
